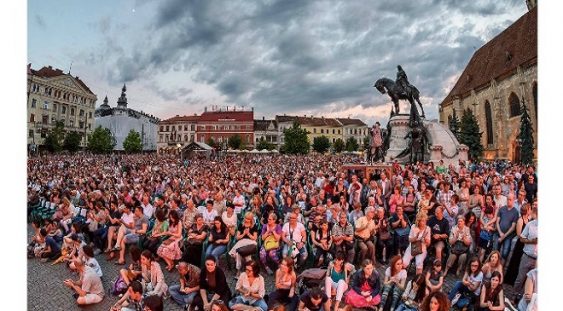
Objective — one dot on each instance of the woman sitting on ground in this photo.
(413, 295)
(337, 278)
(284, 292)
(394, 282)
(152, 241)
(435, 301)
(365, 286)
(492, 295)
(491, 265)
(434, 277)
(466, 291)
(152, 275)
(251, 289)
(212, 285)
(169, 250)
(134, 272)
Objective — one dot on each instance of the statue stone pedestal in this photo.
(399, 124)
(442, 144)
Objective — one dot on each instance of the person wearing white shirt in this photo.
(209, 213)
(239, 202)
(148, 209)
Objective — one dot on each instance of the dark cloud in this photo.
(286, 55)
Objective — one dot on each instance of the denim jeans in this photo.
(505, 245)
(403, 307)
(258, 303)
(181, 298)
(216, 250)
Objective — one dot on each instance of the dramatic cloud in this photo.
(298, 56)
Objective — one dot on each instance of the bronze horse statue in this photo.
(396, 92)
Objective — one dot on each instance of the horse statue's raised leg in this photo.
(420, 104)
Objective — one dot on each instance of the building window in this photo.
(45, 119)
(30, 133)
(81, 124)
(535, 95)
(63, 110)
(46, 105)
(185, 138)
(489, 122)
(323, 131)
(32, 118)
(71, 111)
(160, 138)
(333, 131)
(162, 128)
(314, 131)
(33, 103)
(193, 127)
(71, 123)
(167, 128)
(514, 103)
(81, 114)
(90, 115)
(53, 119)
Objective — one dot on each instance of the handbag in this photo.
(485, 235)
(247, 250)
(416, 248)
(270, 243)
(459, 248)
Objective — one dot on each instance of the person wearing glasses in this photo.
(251, 289)
(294, 237)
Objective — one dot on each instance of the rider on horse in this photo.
(403, 81)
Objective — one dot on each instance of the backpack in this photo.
(118, 287)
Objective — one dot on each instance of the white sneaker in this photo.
(456, 298)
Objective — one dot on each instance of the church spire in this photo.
(105, 104)
(122, 101)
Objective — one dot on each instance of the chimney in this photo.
(263, 118)
(205, 109)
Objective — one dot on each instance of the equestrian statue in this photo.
(399, 89)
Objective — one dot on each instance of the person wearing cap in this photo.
(89, 287)
(365, 230)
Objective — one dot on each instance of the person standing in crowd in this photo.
(529, 237)
(517, 253)
(507, 216)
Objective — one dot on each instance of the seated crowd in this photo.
(287, 216)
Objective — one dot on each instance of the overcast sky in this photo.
(295, 57)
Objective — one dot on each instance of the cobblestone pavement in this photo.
(47, 292)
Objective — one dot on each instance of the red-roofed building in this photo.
(218, 124)
(57, 96)
(500, 76)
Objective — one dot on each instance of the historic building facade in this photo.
(220, 123)
(176, 132)
(121, 120)
(500, 77)
(57, 96)
(354, 128)
(268, 130)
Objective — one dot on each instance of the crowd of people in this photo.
(283, 216)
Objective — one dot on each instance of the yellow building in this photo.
(57, 96)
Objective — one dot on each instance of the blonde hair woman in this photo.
(419, 240)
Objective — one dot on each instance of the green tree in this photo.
(470, 134)
(352, 144)
(263, 144)
(526, 137)
(211, 142)
(365, 143)
(72, 141)
(53, 141)
(235, 141)
(339, 145)
(296, 140)
(321, 144)
(101, 140)
(454, 125)
(132, 142)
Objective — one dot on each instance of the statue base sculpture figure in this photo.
(441, 145)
